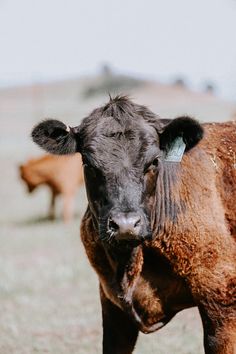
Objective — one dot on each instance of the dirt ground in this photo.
(49, 300)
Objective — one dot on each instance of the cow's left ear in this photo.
(56, 137)
(179, 136)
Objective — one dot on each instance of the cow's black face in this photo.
(120, 167)
(121, 145)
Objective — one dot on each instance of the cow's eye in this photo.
(155, 162)
(152, 165)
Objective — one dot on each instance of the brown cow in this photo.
(161, 219)
(62, 174)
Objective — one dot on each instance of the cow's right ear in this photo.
(55, 137)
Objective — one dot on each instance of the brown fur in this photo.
(62, 174)
(192, 259)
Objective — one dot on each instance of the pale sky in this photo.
(160, 39)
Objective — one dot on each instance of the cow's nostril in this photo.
(113, 225)
(125, 225)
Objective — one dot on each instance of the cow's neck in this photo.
(127, 263)
(167, 203)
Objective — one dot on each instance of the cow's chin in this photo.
(125, 242)
(130, 243)
(122, 244)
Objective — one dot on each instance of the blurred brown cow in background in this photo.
(63, 175)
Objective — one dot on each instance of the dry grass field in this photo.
(48, 292)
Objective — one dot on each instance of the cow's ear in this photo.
(179, 136)
(56, 137)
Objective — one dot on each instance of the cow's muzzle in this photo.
(125, 226)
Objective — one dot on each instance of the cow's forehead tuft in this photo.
(119, 113)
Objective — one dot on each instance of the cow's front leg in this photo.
(68, 207)
(119, 331)
(219, 334)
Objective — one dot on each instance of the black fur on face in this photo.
(122, 145)
(118, 148)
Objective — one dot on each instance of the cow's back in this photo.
(62, 173)
(220, 144)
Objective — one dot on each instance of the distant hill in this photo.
(71, 100)
(110, 84)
